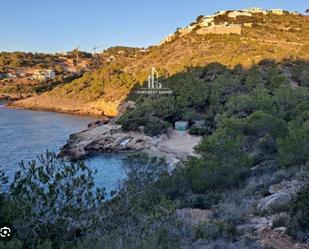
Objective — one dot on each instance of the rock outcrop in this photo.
(280, 196)
(109, 137)
(103, 138)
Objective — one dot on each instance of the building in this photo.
(9, 75)
(50, 74)
(44, 74)
(256, 10)
(277, 11)
(38, 76)
(221, 29)
(248, 24)
(236, 13)
(181, 125)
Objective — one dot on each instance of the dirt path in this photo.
(180, 142)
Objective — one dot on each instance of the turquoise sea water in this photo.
(24, 134)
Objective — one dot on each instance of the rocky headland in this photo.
(107, 137)
(45, 102)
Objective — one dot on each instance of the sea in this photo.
(25, 134)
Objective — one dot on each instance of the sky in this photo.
(60, 25)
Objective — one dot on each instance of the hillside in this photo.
(244, 185)
(24, 75)
(263, 36)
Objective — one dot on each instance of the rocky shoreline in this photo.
(12, 105)
(107, 137)
(14, 96)
(44, 102)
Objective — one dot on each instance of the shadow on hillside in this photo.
(200, 93)
(294, 70)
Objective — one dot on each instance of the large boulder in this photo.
(280, 196)
(275, 202)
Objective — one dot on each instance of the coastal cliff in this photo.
(67, 105)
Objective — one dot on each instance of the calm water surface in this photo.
(24, 134)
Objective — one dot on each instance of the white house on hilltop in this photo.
(256, 10)
(207, 24)
(277, 11)
(44, 74)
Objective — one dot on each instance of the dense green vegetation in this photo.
(53, 204)
(38, 60)
(299, 225)
(21, 59)
(255, 118)
(214, 93)
(92, 86)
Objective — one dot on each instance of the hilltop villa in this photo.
(208, 24)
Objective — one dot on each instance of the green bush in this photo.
(12, 244)
(244, 105)
(53, 204)
(156, 116)
(223, 162)
(293, 149)
(214, 230)
(281, 220)
(156, 127)
(3, 182)
(299, 211)
(261, 123)
(49, 200)
(198, 131)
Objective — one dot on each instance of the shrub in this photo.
(201, 201)
(155, 115)
(214, 230)
(299, 211)
(155, 127)
(293, 149)
(13, 244)
(143, 170)
(198, 131)
(53, 204)
(223, 162)
(224, 165)
(281, 220)
(231, 244)
(244, 105)
(261, 123)
(50, 199)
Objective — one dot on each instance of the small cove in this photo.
(24, 134)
